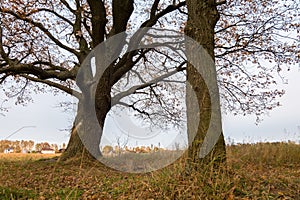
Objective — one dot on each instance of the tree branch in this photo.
(98, 21)
(53, 84)
(153, 19)
(42, 28)
(122, 10)
(18, 68)
(133, 89)
(53, 12)
(126, 63)
(154, 8)
(135, 108)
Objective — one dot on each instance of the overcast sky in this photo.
(51, 122)
(282, 123)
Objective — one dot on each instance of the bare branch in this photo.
(15, 68)
(55, 85)
(133, 89)
(154, 8)
(42, 28)
(53, 12)
(135, 108)
(99, 21)
(122, 11)
(68, 6)
(153, 19)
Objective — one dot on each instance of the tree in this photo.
(30, 145)
(120, 144)
(256, 41)
(42, 145)
(201, 28)
(107, 149)
(38, 146)
(16, 146)
(47, 41)
(87, 26)
(24, 145)
(5, 144)
(54, 147)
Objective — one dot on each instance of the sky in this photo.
(281, 124)
(43, 120)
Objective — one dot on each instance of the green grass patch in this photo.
(10, 193)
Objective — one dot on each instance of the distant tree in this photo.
(17, 146)
(45, 145)
(42, 145)
(107, 149)
(30, 145)
(54, 147)
(38, 146)
(24, 145)
(121, 144)
(4, 144)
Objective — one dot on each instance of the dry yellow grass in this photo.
(258, 171)
(25, 156)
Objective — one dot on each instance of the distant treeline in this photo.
(19, 146)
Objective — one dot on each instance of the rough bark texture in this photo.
(75, 148)
(96, 103)
(203, 16)
(88, 126)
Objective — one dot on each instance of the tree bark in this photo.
(75, 148)
(96, 98)
(93, 108)
(88, 128)
(203, 16)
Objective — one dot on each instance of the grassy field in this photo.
(256, 171)
(141, 162)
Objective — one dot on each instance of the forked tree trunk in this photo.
(202, 18)
(87, 129)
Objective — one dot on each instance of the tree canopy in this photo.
(46, 41)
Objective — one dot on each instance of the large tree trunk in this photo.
(86, 134)
(75, 148)
(203, 16)
(96, 100)
(91, 114)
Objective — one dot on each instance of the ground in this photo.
(260, 171)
